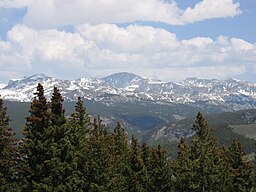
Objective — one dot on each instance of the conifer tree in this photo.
(61, 154)
(8, 152)
(79, 126)
(57, 111)
(34, 146)
(138, 169)
(80, 115)
(182, 168)
(225, 179)
(80, 123)
(205, 157)
(49, 160)
(119, 178)
(98, 158)
(159, 171)
(241, 171)
(146, 155)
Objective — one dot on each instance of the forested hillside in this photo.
(79, 153)
(239, 125)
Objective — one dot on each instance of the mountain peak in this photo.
(121, 75)
(38, 76)
(122, 87)
(21, 82)
(121, 80)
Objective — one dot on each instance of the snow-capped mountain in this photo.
(231, 94)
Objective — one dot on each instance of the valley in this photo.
(156, 112)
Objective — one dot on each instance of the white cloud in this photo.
(208, 9)
(54, 13)
(200, 42)
(241, 45)
(16, 3)
(98, 50)
(133, 39)
(177, 74)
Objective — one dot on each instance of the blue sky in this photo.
(167, 40)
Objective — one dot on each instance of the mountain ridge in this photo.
(230, 94)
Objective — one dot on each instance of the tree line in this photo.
(77, 153)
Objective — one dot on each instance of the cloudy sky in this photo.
(164, 39)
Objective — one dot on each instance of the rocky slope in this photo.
(229, 94)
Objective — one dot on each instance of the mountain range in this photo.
(226, 95)
(153, 110)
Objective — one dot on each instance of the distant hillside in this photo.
(227, 126)
(155, 123)
(136, 117)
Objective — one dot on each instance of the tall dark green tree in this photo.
(34, 146)
(182, 169)
(98, 158)
(204, 154)
(78, 126)
(80, 116)
(8, 152)
(137, 168)
(57, 111)
(49, 160)
(61, 161)
(159, 171)
(241, 171)
(121, 154)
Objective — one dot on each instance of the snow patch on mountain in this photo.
(127, 87)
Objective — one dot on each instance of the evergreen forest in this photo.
(79, 153)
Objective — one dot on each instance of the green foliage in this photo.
(8, 152)
(241, 171)
(225, 135)
(75, 154)
(34, 145)
(182, 168)
(80, 117)
(248, 130)
(137, 167)
(98, 158)
(57, 111)
(49, 162)
(159, 171)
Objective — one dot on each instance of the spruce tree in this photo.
(80, 116)
(137, 168)
(204, 154)
(159, 171)
(8, 152)
(146, 155)
(241, 171)
(57, 111)
(225, 178)
(61, 154)
(49, 160)
(34, 146)
(119, 178)
(182, 168)
(79, 126)
(98, 158)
